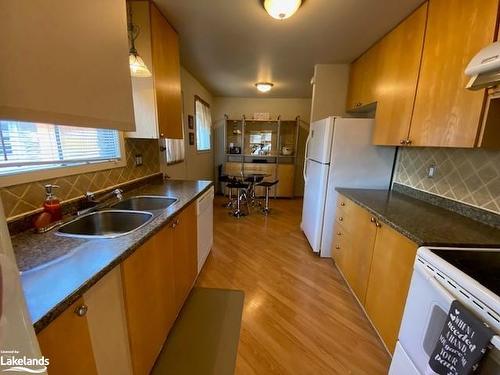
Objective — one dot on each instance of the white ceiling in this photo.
(231, 44)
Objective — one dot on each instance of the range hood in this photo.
(484, 68)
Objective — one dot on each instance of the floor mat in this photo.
(204, 338)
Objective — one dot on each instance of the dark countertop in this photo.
(424, 223)
(56, 271)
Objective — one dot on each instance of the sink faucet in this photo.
(102, 202)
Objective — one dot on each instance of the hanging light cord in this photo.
(133, 30)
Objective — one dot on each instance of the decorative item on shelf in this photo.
(137, 66)
(190, 122)
(191, 139)
(234, 149)
(281, 9)
(262, 116)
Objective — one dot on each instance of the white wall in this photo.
(329, 90)
(288, 108)
(196, 165)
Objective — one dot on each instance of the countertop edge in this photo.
(417, 240)
(65, 303)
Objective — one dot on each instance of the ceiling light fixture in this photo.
(137, 66)
(264, 86)
(281, 9)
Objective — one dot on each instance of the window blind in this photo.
(29, 146)
(203, 125)
(174, 149)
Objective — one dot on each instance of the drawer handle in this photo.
(81, 310)
(339, 233)
(337, 247)
(342, 203)
(341, 218)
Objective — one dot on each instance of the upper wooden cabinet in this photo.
(157, 100)
(400, 52)
(66, 63)
(361, 90)
(447, 114)
(416, 76)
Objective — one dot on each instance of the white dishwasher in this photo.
(205, 211)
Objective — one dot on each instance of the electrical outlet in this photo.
(431, 171)
(138, 160)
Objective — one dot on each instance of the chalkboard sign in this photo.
(462, 343)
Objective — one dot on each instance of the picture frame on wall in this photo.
(191, 139)
(190, 122)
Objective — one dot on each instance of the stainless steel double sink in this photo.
(119, 219)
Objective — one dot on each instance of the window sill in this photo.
(203, 151)
(56, 172)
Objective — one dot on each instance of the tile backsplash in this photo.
(24, 198)
(470, 176)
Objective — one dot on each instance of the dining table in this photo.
(253, 178)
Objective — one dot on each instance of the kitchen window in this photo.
(30, 148)
(203, 124)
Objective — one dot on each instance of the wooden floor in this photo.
(299, 315)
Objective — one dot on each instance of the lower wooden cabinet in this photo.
(66, 343)
(145, 284)
(185, 258)
(355, 248)
(121, 323)
(377, 263)
(286, 178)
(157, 279)
(390, 276)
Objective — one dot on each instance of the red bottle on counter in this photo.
(52, 205)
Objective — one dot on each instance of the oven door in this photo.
(425, 314)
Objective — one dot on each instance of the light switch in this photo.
(431, 171)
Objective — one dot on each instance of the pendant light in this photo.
(281, 9)
(137, 66)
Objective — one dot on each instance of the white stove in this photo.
(440, 276)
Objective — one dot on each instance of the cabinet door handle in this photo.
(337, 247)
(403, 141)
(342, 203)
(341, 218)
(378, 225)
(408, 142)
(175, 223)
(339, 233)
(372, 220)
(81, 310)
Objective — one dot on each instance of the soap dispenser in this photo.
(52, 205)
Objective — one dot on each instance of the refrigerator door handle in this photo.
(305, 159)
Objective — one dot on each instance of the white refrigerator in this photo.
(339, 153)
(19, 350)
